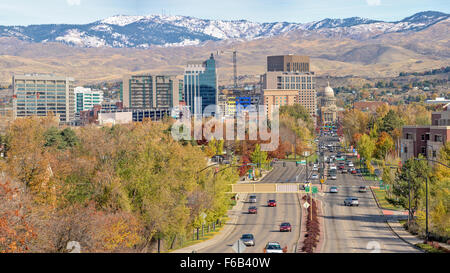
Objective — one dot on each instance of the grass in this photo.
(381, 197)
(429, 249)
(205, 237)
(291, 157)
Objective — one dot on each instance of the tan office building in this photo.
(40, 94)
(288, 63)
(302, 82)
(273, 97)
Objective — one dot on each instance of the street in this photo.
(266, 223)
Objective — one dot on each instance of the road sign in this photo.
(307, 189)
(239, 246)
(314, 189)
(306, 205)
(322, 180)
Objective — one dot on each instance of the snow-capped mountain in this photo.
(160, 30)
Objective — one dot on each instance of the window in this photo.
(422, 137)
(423, 150)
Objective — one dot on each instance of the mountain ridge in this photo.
(145, 31)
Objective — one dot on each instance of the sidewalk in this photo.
(392, 217)
(233, 216)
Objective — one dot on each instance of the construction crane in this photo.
(234, 65)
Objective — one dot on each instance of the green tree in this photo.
(366, 147)
(258, 156)
(411, 178)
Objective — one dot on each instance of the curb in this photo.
(390, 227)
(227, 229)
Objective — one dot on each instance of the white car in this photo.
(273, 247)
(350, 164)
(314, 176)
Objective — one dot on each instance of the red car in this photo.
(271, 203)
(252, 210)
(353, 171)
(285, 227)
(341, 167)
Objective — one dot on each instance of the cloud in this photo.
(373, 2)
(73, 2)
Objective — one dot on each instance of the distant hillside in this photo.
(123, 31)
(384, 55)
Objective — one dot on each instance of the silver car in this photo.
(351, 201)
(252, 199)
(248, 239)
(273, 247)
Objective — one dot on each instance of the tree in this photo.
(390, 122)
(366, 147)
(259, 157)
(384, 145)
(411, 178)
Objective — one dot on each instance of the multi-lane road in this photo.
(346, 229)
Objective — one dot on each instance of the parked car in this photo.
(248, 239)
(252, 210)
(351, 201)
(334, 189)
(272, 203)
(285, 227)
(362, 189)
(273, 247)
(252, 199)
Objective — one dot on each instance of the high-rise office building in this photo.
(200, 81)
(38, 94)
(288, 63)
(86, 98)
(277, 97)
(303, 82)
(150, 92)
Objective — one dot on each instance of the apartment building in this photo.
(426, 140)
(40, 94)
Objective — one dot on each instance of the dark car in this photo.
(285, 227)
(272, 203)
(253, 210)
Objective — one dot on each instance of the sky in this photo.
(26, 12)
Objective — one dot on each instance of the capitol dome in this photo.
(329, 92)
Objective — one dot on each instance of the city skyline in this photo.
(83, 12)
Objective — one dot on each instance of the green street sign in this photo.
(301, 162)
(306, 189)
(314, 189)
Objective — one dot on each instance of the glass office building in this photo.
(200, 85)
